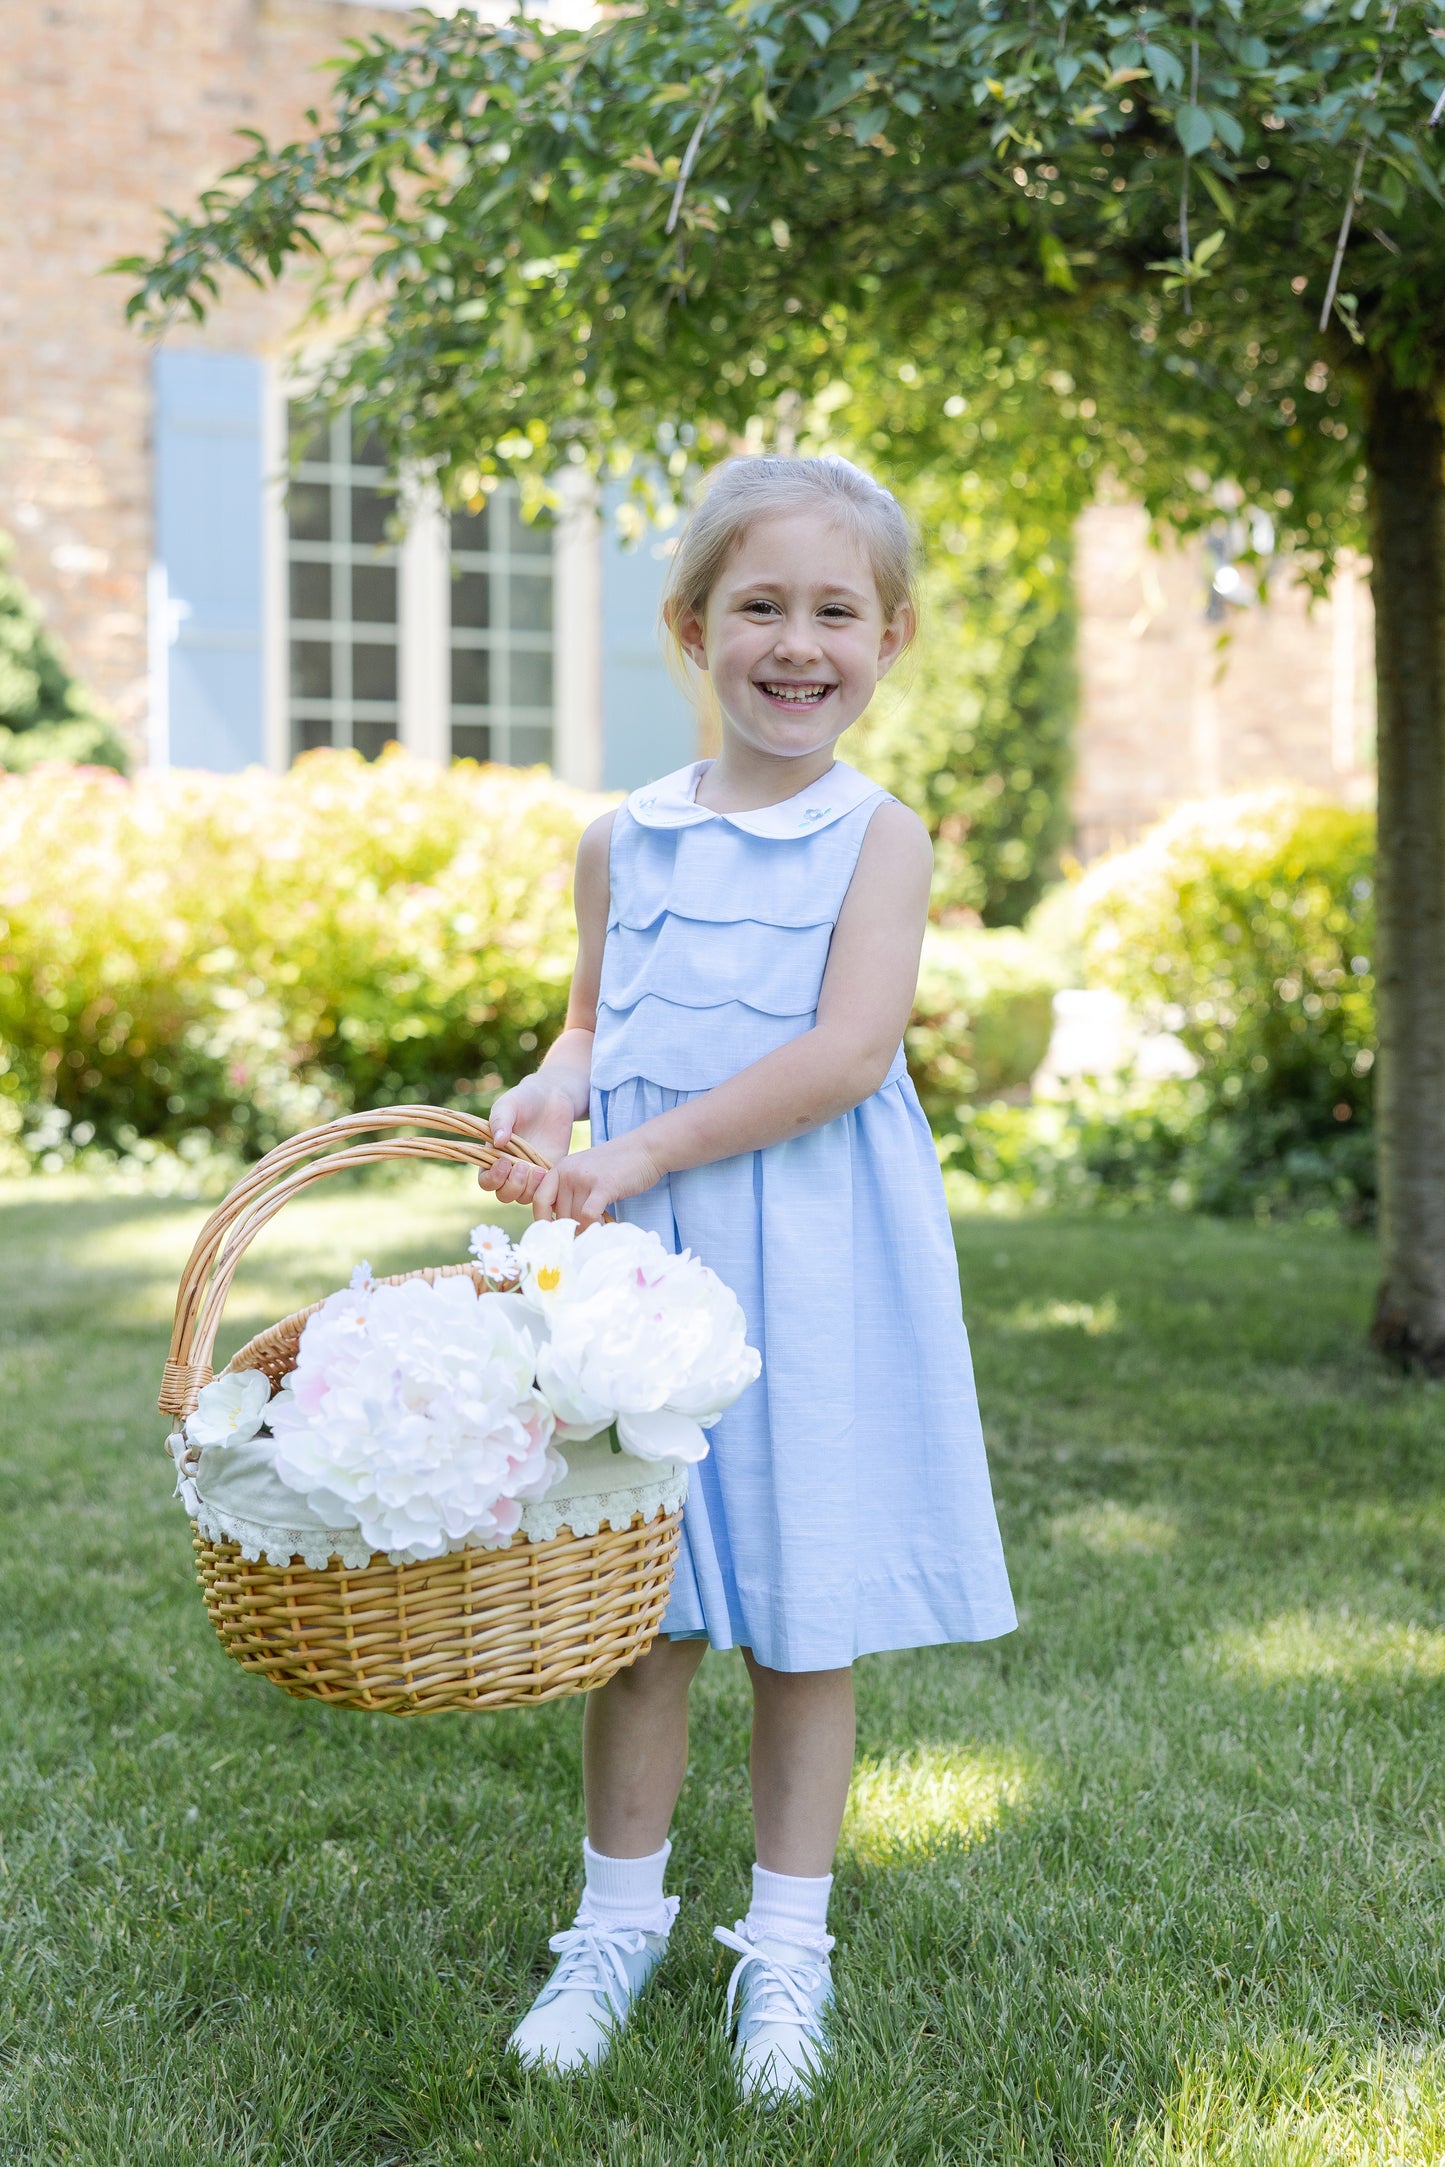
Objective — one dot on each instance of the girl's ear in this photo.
(687, 629)
(897, 638)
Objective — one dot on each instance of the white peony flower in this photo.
(230, 1409)
(651, 1341)
(413, 1412)
(494, 1251)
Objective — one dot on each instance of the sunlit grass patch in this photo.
(1094, 1318)
(1301, 2105)
(915, 1802)
(1317, 1644)
(1112, 1530)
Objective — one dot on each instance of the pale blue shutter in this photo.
(648, 726)
(209, 523)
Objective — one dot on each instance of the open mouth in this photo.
(789, 695)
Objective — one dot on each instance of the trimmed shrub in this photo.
(982, 1019)
(1246, 927)
(232, 957)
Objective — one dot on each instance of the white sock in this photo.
(790, 1907)
(626, 1892)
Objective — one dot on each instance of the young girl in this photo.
(749, 933)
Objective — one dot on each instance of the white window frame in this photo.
(424, 615)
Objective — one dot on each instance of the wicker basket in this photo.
(475, 1629)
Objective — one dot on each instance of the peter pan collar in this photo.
(672, 803)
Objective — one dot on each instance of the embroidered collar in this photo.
(672, 803)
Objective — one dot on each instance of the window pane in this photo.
(311, 669)
(373, 673)
(366, 451)
(308, 507)
(370, 510)
(311, 590)
(472, 600)
(308, 430)
(471, 677)
(471, 741)
(470, 530)
(373, 594)
(311, 733)
(530, 601)
(531, 679)
(370, 737)
(528, 746)
(525, 541)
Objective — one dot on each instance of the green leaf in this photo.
(817, 26)
(1194, 128)
(1166, 69)
(1057, 269)
(1209, 246)
(1252, 53)
(908, 101)
(1219, 195)
(869, 124)
(1227, 128)
(1066, 68)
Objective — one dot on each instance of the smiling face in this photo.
(793, 635)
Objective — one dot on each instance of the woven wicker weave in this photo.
(476, 1629)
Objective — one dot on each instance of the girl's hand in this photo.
(540, 1112)
(583, 1186)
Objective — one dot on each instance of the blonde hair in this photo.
(745, 490)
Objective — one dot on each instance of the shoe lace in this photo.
(785, 1992)
(591, 1959)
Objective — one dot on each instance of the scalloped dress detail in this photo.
(845, 1506)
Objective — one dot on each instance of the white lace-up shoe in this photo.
(600, 1972)
(777, 1998)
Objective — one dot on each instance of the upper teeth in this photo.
(796, 692)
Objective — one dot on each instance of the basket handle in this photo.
(465, 1140)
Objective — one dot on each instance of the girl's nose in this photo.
(797, 642)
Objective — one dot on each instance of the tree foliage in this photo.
(653, 234)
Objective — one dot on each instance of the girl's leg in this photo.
(802, 1762)
(634, 1749)
(634, 1757)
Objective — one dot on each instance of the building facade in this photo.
(235, 583)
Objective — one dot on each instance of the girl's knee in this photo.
(666, 1669)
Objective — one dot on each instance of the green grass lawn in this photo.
(1159, 1878)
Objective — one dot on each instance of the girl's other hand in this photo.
(583, 1186)
(539, 1113)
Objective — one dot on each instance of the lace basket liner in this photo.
(236, 1496)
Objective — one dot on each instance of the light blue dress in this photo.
(844, 1506)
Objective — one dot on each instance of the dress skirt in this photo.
(844, 1506)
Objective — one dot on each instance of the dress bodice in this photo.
(719, 926)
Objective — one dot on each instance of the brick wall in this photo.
(1167, 711)
(107, 109)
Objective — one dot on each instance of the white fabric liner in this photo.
(236, 1496)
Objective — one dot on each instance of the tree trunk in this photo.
(1405, 450)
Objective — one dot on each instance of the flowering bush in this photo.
(412, 1413)
(237, 956)
(651, 1343)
